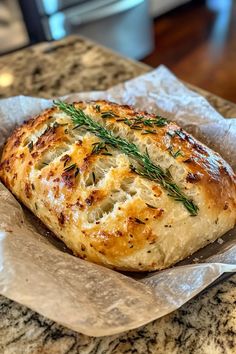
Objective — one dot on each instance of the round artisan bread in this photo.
(88, 194)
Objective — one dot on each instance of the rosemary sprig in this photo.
(172, 188)
(147, 168)
(137, 122)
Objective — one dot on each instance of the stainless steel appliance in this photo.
(123, 25)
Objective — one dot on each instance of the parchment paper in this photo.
(37, 271)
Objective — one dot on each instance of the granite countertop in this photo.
(206, 324)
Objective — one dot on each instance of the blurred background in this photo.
(196, 39)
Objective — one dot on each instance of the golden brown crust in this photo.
(101, 209)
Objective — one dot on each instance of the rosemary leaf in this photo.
(108, 114)
(151, 206)
(177, 154)
(97, 147)
(149, 131)
(138, 221)
(128, 122)
(30, 146)
(97, 108)
(148, 122)
(160, 121)
(77, 171)
(76, 126)
(94, 177)
(69, 168)
(106, 153)
(168, 174)
(135, 127)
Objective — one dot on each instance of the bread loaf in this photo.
(96, 197)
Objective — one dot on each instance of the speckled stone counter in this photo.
(205, 325)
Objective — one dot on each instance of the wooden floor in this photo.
(198, 43)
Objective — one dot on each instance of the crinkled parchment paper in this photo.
(37, 271)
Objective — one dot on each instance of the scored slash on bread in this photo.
(86, 192)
